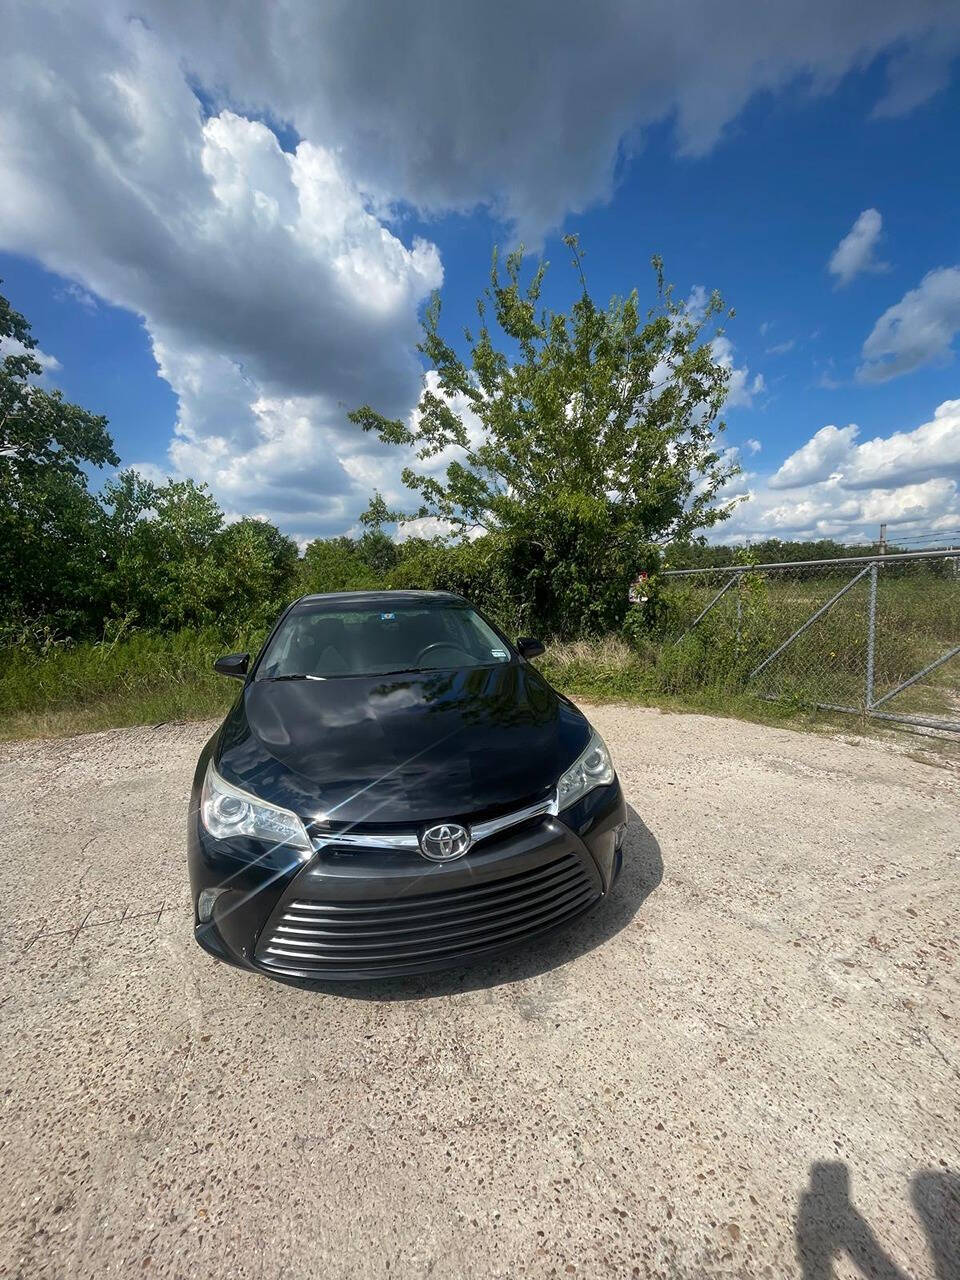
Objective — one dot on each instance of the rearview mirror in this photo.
(233, 664)
(527, 647)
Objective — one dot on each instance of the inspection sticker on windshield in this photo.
(498, 653)
(387, 617)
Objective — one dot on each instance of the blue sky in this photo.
(224, 301)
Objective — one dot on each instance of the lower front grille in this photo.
(412, 931)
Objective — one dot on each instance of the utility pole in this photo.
(883, 540)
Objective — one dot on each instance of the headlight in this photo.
(593, 768)
(227, 811)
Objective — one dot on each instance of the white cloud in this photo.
(274, 299)
(828, 380)
(424, 527)
(839, 488)
(817, 459)
(430, 105)
(753, 445)
(781, 348)
(917, 330)
(150, 472)
(463, 408)
(927, 452)
(831, 511)
(856, 252)
(277, 288)
(82, 297)
(741, 388)
(917, 72)
(14, 347)
(381, 471)
(923, 454)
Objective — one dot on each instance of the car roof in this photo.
(381, 597)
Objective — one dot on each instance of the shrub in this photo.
(473, 570)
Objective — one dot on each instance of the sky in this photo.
(224, 221)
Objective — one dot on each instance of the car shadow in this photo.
(641, 874)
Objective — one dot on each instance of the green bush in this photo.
(473, 570)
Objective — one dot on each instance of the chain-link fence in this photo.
(873, 636)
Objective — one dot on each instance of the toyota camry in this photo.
(396, 789)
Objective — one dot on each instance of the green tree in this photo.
(256, 567)
(376, 549)
(164, 573)
(333, 564)
(175, 563)
(597, 440)
(470, 568)
(51, 528)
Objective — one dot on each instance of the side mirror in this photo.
(233, 664)
(527, 647)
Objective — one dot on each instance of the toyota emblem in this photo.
(445, 841)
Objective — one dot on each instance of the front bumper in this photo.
(351, 913)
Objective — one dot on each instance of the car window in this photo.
(328, 642)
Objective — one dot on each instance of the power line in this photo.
(943, 535)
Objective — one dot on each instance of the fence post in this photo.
(739, 605)
(871, 633)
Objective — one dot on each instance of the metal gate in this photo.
(874, 636)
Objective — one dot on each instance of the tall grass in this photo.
(693, 675)
(153, 678)
(147, 678)
(143, 678)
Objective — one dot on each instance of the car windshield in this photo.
(325, 641)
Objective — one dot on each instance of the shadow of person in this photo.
(936, 1198)
(641, 873)
(827, 1224)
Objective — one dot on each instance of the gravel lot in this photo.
(743, 1062)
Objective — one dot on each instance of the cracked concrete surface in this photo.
(744, 1064)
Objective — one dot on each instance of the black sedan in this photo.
(395, 790)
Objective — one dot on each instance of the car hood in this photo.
(405, 748)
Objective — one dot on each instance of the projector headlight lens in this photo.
(593, 768)
(226, 811)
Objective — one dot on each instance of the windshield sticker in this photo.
(387, 617)
(498, 653)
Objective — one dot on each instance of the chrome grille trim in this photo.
(484, 829)
(407, 931)
(370, 840)
(411, 839)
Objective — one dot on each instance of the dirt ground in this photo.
(745, 1063)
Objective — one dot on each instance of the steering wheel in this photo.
(442, 644)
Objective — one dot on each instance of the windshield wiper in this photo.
(295, 675)
(398, 671)
(366, 675)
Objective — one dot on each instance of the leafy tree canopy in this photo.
(51, 527)
(175, 563)
(579, 439)
(39, 427)
(332, 564)
(609, 403)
